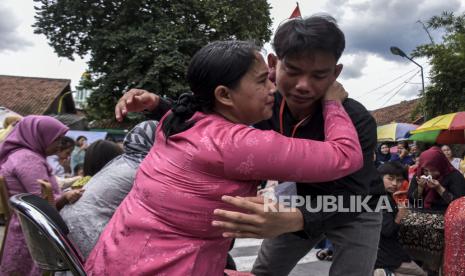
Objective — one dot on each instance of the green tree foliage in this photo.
(144, 43)
(446, 93)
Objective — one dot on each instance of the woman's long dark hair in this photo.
(218, 63)
(98, 154)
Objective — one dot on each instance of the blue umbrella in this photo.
(394, 132)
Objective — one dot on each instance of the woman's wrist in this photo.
(440, 189)
(419, 192)
(154, 102)
(332, 102)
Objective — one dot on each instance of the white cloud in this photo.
(374, 26)
(11, 39)
(353, 65)
(383, 82)
(38, 60)
(370, 26)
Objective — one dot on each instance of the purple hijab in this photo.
(34, 133)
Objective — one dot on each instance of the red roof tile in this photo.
(399, 113)
(28, 95)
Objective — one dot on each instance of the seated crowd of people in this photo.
(184, 185)
(426, 188)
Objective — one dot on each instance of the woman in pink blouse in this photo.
(205, 149)
(454, 244)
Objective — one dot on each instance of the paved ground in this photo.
(245, 252)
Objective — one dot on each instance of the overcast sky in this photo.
(371, 74)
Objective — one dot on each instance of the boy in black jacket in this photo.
(392, 258)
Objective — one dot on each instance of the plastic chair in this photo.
(46, 235)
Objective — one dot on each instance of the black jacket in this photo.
(366, 181)
(390, 252)
(363, 182)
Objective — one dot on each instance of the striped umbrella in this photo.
(444, 129)
(394, 132)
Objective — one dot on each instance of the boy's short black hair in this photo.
(393, 168)
(307, 35)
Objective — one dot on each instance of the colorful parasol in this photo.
(444, 129)
(394, 132)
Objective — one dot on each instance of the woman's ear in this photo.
(223, 95)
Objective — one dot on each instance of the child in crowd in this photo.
(403, 154)
(392, 258)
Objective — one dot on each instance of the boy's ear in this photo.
(272, 62)
(338, 70)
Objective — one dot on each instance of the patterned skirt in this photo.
(422, 235)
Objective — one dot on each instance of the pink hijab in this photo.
(34, 133)
(433, 158)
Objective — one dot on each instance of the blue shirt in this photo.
(57, 169)
(407, 160)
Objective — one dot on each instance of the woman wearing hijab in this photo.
(104, 192)
(22, 162)
(98, 154)
(383, 154)
(436, 185)
(437, 182)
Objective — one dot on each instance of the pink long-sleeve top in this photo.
(21, 171)
(163, 226)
